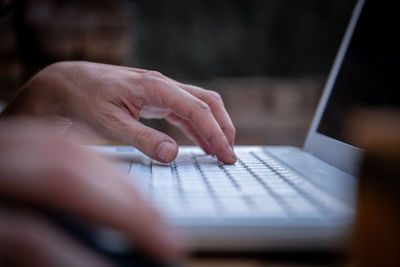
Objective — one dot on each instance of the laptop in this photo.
(279, 197)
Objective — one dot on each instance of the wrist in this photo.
(38, 98)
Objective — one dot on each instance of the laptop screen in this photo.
(369, 76)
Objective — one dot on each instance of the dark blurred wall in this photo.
(268, 59)
(187, 39)
(200, 39)
(40, 32)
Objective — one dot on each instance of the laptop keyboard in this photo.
(198, 185)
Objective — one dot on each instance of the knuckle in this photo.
(147, 79)
(154, 86)
(153, 74)
(215, 97)
(198, 107)
(201, 105)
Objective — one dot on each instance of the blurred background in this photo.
(268, 59)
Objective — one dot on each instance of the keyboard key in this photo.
(198, 185)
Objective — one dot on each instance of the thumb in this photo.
(151, 142)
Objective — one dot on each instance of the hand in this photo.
(110, 99)
(42, 169)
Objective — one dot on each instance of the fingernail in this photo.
(164, 151)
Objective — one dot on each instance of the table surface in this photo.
(268, 259)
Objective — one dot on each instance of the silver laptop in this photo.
(273, 198)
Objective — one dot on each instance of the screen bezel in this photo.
(337, 153)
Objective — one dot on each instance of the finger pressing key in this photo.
(188, 107)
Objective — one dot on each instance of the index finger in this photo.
(211, 98)
(188, 107)
(214, 101)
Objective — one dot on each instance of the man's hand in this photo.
(38, 168)
(110, 99)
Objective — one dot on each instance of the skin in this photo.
(110, 99)
(58, 173)
(76, 181)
